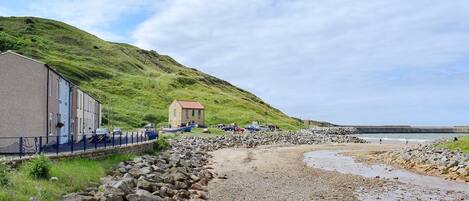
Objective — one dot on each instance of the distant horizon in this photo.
(357, 63)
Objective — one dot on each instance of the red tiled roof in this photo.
(190, 104)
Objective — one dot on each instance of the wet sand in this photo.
(280, 173)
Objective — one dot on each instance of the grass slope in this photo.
(74, 175)
(461, 145)
(132, 83)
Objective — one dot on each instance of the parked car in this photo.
(239, 129)
(273, 127)
(233, 128)
(252, 128)
(264, 128)
(117, 131)
(229, 128)
(151, 132)
(101, 135)
(102, 131)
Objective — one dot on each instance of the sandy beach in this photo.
(280, 173)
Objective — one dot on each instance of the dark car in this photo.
(252, 128)
(233, 128)
(101, 135)
(228, 128)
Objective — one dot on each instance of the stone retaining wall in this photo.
(99, 153)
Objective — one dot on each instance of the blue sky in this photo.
(348, 62)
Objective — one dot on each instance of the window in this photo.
(193, 112)
(187, 113)
(174, 112)
(200, 113)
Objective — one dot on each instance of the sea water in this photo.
(409, 137)
(410, 186)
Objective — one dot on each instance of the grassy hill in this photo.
(135, 85)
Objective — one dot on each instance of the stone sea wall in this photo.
(181, 172)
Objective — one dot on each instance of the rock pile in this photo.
(335, 130)
(430, 159)
(307, 136)
(181, 173)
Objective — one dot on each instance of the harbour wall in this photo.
(411, 129)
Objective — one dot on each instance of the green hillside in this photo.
(134, 85)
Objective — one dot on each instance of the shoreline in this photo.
(251, 174)
(424, 159)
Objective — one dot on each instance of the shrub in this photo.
(4, 175)
(39, 167)
(29, 21)
(8, 42)
(161, 144)
(153, 118)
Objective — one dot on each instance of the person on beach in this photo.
(406, 141)
(380, 140)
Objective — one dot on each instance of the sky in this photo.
(348, 62)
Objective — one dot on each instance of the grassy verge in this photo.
(462, 144)
(74, 175)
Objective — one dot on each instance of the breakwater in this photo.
(411, 129)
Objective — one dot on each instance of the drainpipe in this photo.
(47, 105)
(69, 109)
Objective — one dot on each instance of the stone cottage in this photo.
(186, 112)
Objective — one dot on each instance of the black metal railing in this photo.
(27, 145)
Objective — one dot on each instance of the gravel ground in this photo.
(279, 173)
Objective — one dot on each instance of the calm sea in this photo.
(410, 137)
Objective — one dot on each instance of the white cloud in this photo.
(96, 17)
(318, 59)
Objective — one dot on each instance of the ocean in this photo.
(410, 137)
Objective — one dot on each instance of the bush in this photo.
(4, 175)
(39, 167)
(153, 118)
(161, 144)
(8, 42)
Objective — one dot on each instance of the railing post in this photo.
(105, 141)
(57, 145)
(40, 144)
(126, 139)
(72, 143)
(132, 137)
(35, 145)
(120, 140)
(137, 137)
(21, 147)
(84, 142)
(96, 142)
(113, 139)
